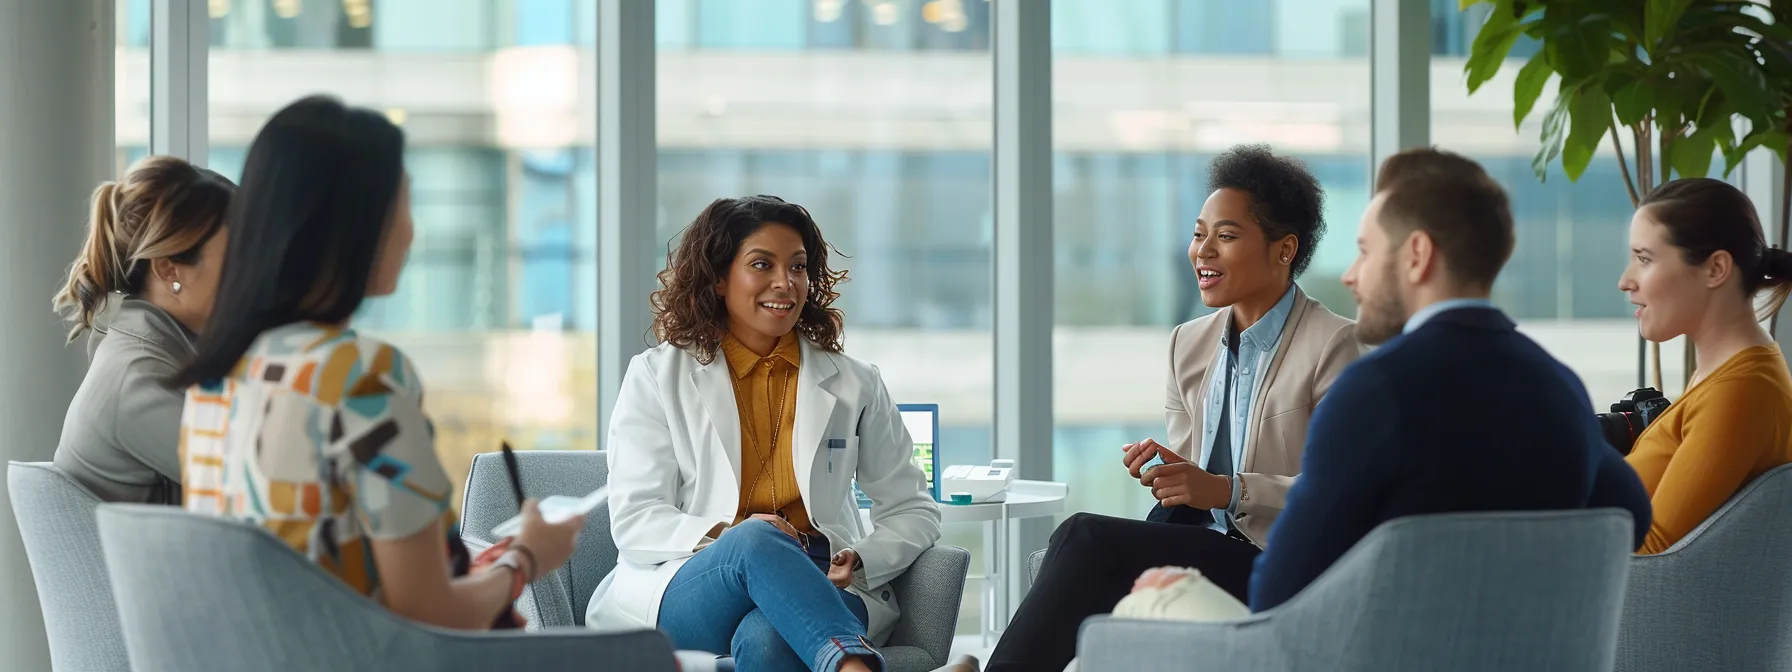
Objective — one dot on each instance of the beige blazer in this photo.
(1316, 344)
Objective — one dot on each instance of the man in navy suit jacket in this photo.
(1457, 411)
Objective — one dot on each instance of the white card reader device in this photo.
(982, 484)
(555, 509)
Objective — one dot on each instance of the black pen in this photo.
(516, 477)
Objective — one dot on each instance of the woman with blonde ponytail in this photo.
(142, 290)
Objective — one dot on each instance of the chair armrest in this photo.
(1107, 643)
(929, 594)
(552, 649)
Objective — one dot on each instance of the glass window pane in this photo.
(131, 84)
(750, 24)
(1133, 139)
(498, 300)
(1107, 27)
(1226, 27)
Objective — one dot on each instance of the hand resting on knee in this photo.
(1178, 594)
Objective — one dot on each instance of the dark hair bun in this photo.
(1776, 264)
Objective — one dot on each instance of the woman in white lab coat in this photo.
(733, 449)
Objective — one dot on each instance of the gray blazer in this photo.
(1316, 345)
(121, 437)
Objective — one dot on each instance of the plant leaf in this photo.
(1555, 128)
(1780, 142)
(1581, 47)
(1465, 4)
(1735, 151)
(1492, 45)
(1774, 140)
(1529, 87)
(1692, 154)
(1672, 97)
(1633, 102)
(1659, 19)
(1726, 147)
(1742, 82)
(1590, 117)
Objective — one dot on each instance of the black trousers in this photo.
(1091, 565)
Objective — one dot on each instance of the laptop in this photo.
(923, 423)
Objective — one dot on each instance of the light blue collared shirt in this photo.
(1423, 315)
(1242, 377)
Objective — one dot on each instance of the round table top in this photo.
(1026, 499)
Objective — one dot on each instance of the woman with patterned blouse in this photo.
(297, 423)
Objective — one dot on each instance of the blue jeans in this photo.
(758, 595)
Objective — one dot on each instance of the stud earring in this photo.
(176, 287)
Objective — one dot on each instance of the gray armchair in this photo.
(1461, 592)
(203, 594)
(1721, 598)
(929, 591)
(63, 544)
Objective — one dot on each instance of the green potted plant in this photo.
(1672, 76)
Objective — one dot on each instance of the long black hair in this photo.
(305, 227)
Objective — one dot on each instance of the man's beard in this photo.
(1383, 316)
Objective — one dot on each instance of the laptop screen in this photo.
(923, 424)
(923, 421)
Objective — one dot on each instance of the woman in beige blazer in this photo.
(1243, 382)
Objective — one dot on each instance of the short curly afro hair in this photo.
(1285, 197)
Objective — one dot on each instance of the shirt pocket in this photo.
(842, 455)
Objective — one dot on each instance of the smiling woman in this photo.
(733, 451)
(1242, 384)
(786, 265)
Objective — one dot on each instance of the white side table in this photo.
(1026, 499)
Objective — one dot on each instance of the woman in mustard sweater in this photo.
(1697, 262)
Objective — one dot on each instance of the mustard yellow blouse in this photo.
(765, 392)
(1729, 428)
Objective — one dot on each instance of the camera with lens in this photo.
(1630, 416)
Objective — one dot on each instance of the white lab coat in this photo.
(675, 462)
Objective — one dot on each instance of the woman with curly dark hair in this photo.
(1243, 382)
(733, 450)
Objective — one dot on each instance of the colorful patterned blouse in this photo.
(316, 414)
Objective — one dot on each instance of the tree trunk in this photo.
(1773, 323)
(1649, 371)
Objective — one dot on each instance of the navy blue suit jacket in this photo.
(1462, 414)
